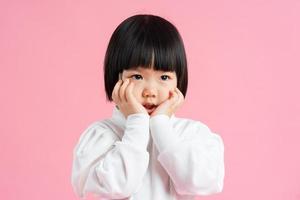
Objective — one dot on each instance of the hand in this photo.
(170, 105)
(122, 95)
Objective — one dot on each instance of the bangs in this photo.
(152, 44)
(150, 53)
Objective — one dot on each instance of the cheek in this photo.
(164, 91)
(170, 87)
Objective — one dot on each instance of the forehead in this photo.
(146, 70)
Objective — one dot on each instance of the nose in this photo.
(149, 92)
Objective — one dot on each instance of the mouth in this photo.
(149, 107)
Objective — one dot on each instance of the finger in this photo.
(174, 99)
(180, 95)
(174, 96)
(115, 93)
(122, 90)
(129, 93)
(180, 98)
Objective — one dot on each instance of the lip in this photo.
(149, 110)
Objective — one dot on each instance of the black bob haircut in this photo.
(146, 41)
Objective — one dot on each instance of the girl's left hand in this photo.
(170, 105)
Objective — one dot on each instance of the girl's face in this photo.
(151, 86)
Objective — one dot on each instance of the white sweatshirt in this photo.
(143, 158)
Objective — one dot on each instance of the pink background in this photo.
(243, 61)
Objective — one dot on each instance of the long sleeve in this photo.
(193, 156)
(108, 167)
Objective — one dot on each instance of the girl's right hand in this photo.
(122, 96)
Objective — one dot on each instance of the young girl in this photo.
(144, 152)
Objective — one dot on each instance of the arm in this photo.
(109, 168)
(194, 159)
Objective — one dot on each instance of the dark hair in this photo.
(146, 41)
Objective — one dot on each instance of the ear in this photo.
(120, 75)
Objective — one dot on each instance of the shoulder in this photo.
(96, 135)
(190, 128)
(95, 128)
(186, 123)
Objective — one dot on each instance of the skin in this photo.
(140, 86)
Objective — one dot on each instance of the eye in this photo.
(165, 77)
(136, 76)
